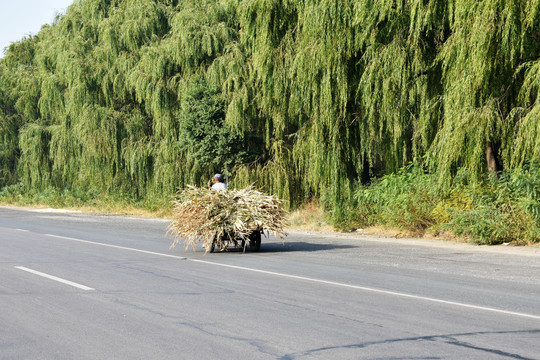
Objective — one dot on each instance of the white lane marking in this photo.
(380, 291)
(23, 230)
(320, 281)
(117, 247)
(64, 281)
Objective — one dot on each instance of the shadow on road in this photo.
(297, 246)
(301, 246)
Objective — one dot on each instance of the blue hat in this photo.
(218, 177)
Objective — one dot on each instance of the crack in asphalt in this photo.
(448, 339)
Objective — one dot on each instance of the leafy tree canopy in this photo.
(302, 98)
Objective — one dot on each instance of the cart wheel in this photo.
(255, 241)
(213, 246)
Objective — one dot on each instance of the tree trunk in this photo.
(491, 158)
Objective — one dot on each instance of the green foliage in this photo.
(499, 209)
(208, 140)
(505, 209)
(405, 200)
(304, 99)
(8, 150)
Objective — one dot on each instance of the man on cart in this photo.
(218, 183)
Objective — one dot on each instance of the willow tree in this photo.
(319, 95)
(9, 127)
(19, 96)
(479, 59)
(524, 141)
(345, 90)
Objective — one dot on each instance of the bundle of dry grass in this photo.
(202, 214)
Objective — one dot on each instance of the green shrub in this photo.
(504, 208)
(404, 200)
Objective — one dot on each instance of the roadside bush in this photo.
(11, 194)
(504, 208)
(404, 200)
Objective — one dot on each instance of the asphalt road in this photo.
(76, 286)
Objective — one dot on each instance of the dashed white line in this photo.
(320, 281)
(117, 247)
(55, 278)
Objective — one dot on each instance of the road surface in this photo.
(77, 286)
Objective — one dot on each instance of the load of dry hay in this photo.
(202, 214)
